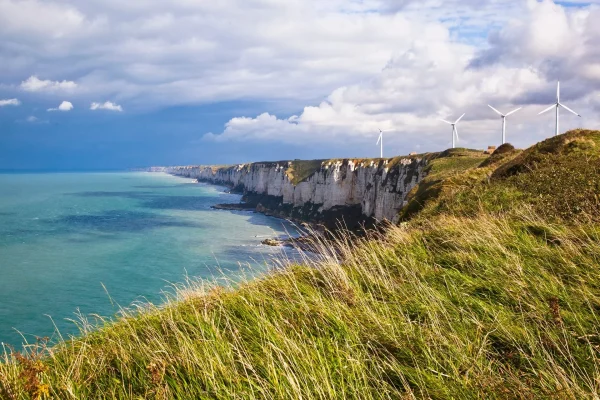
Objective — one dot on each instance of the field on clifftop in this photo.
(488, 289)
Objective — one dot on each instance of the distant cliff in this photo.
(354, 191)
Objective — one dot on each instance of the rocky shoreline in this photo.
(309, 233)
(235, 207)
(323, 196)
(305, 242)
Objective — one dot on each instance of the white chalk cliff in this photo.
(357, 190)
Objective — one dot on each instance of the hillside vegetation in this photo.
(558, 178)
(490, 289)
(300, 170)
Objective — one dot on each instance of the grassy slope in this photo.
(441, 170)
(477, 296)
(300, 170)
(559, 178)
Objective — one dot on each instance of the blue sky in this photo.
(197, 82)
(160, 137)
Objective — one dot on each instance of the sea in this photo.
(82, 244)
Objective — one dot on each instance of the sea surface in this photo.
(92, 242)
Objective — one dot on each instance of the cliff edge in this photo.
(355, 192)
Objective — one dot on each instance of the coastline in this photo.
(133, 232)
(346, 193)
(464, 299)
(306, 232)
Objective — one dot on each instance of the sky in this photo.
(112, 84)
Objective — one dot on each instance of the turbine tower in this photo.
(504, 121)
(454, 129)
(558, 105)
(380, 140)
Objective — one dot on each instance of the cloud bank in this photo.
(329, 73)
(184, 52)
(436, 76)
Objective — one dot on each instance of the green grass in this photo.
(478, 296)
(440, 170)
(559, 178)
(300, 170)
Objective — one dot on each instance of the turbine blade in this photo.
(548, 109)
(513, 111)
(458, 120)
(496, 110)
(379, 140)
(558, 92)
(568, 109)
(456, 133)
(443, 120)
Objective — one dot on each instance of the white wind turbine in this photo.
(557, 105)
(504, 121)
(454, 129)
(380, 140)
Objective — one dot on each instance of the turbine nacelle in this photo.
(504, 115)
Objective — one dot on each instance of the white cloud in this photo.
(154, 53)
(64, 106)
(22, 17)
(438, 76)
(109, 105)
(346, 67)
(34, 84)
(34, 120)
(10, 102)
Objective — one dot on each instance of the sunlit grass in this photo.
(456, 308)
(482, 295)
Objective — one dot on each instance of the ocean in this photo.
(90, 243)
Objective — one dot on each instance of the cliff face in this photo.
(353, 191)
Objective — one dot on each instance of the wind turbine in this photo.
(454, 129)
(380, 140)
(504, 121)
(557, 105)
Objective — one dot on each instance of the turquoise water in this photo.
(66, 237)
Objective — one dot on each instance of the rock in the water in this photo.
(235, 207)
(271, 242)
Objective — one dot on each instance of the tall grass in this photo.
(447, 309)
(490, 291)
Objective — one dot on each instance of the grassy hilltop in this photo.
(489, 289)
